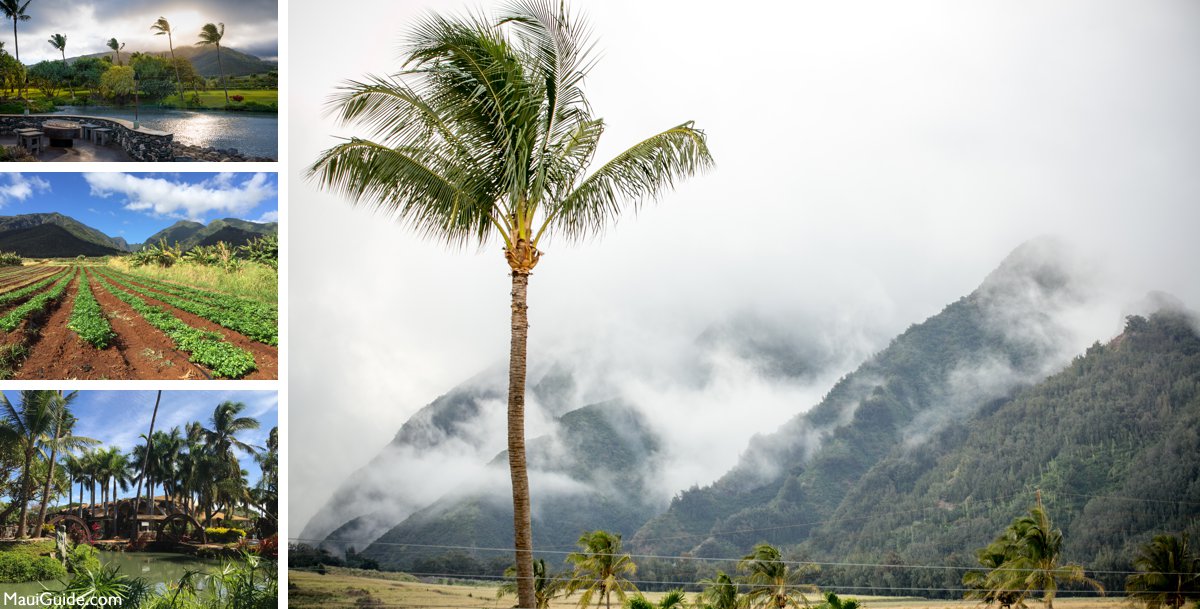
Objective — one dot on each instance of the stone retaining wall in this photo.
(140, 144)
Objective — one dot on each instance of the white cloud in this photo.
(271, 216)
(20, 187)
(223, 193)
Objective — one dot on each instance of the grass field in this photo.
(253, 281)
(212, 99)
(354, 588)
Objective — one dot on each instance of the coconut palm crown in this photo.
(485, 132)
(15, 10)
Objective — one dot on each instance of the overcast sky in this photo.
(137, 205)
(875, 160)
(251, 26)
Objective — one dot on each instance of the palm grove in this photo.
(115, 77)
(193, 469)
(486, 132)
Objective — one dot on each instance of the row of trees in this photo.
(151, 75)
(196, 466)
(600, 571)
(1027, 558)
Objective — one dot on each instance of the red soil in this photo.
(266, 357)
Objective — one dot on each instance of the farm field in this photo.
(348, 587)
(79, 321)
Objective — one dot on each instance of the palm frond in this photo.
(644, 171)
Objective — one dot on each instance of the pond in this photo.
(156, 568)
(252, 134)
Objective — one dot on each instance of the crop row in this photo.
(19, 293)
(87, 318)
(14, 317)
(206, 348)
(233, 303)
(250, 324)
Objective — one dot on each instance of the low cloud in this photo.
(224, 193)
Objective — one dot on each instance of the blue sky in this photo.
(117, 418)
(137, 205)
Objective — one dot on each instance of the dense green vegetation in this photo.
(88, 319)
(203, 347)
(15, 316)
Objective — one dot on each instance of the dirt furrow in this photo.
(58, 353)
(148, 353)
(266, 357)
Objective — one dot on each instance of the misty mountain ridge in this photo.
(54, 235)
(1003, 333)
(203, 60)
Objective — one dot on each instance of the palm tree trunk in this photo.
(26, 483)
(46, 489)
(224, 83)
(522, 522)
(178, 80)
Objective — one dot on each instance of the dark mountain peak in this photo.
(85, 239)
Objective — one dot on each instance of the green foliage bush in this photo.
(83, 558)
(16, 568)
(10, 259)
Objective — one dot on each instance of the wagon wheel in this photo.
(181, 528)
(76, 528)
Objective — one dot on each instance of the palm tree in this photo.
(31, 423)
(13, 9)
(486, 133)
(773, 583)
(212, 34)
(600, 568)
(1039, 555)
(984, 585)
(115, 46)
(719, 593)
(1168, 573)
(160, 27)
(546, 587)
(61, 439)
(59, 41)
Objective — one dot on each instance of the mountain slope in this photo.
(187, 234)
(1112, 441)
(34, 235)
(587, 475)
(982, 347)
(204, 60)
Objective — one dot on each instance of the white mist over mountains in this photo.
(876, 173)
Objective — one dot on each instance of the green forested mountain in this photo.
(1113, 442)
(54, 235)
(204, 60)
(941, 370)
(188, 234)
(591, 474)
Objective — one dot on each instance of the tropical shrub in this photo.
(16, 567)
(117, 84)
(10, 259)
(237, 98)
(83, 558)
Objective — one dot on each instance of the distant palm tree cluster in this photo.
(16, 11)
(195, 466)
(1024, 560)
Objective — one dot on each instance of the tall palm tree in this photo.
(31, 422)
(1168, 573)
(487, 132)
(116, 48)
(212, 34)
(160, 27)
(600, 569)
(719, 593)
(773, 583)
(59, 41)
(15, 10)
(62, 439)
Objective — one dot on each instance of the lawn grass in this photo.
(340, 587)
(254, 281)
(32, 548)
(212, 99)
